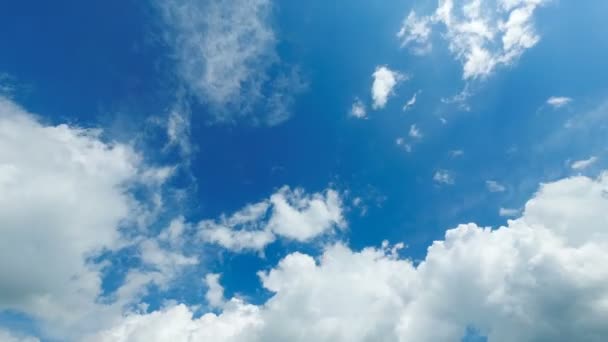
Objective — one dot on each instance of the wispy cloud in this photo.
(558, 101)
(482, 35)
(358, 109)
(415, 132)
(583, 164)
(443, 177)
(494, 186)
(225, 52)
(411, 102)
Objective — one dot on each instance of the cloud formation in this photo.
(291, 214)
(480, 34)
(505, 282)
(558, 101)
(385, 80)
(225, 52)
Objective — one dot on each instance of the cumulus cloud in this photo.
(358, 110)
(291, 214)
(494, 186)
(558, 101)
(385, 80)
(481, 34)
(7, 336)
(225, 52)
(507, 283)
(65, 198)
(583, 164)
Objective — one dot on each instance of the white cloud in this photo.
(508, 212)
(494, 186)
(215, 291)
(415, 33)
(481, 34)
(358, 110)
(558, 101)
(443, 177)
(290, 214)
(501, 281)
(65, 197)
(7, 336)
(411, 102)
(385, 80)
(225, 52)
(583, 164)
(415, 132)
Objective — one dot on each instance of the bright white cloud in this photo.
(494, 186)
(501, 281)
(558, 101)
(358, 110)
(443, 177)
(583, 164)
(290, 214)
(225, 51)
(481, 34)
(65, 195)
(385, 80)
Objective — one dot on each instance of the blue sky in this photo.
(245, 170)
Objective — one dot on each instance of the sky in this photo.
(271, 170)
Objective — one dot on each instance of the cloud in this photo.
(481, 34)
(215, 291)
(401, 142)
(290, 214)
(558, 101)
(443, 177)
(508, 212)
(583, 164)
(7, 336)
(505, 282)
(415, 132)
(227, 56)
(411, 102)
(66, 197)
(415, 33)
(494, 186)
(385, 80)
(456, 153)
(358, 110)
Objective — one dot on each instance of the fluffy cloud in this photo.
(358, 110)
(558, 101)
(290, 214)
(385, 80)
(65, 197)
(540, 278)
(225, 51)
(481, 34)
(6, 336)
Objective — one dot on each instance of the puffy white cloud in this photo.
(539, 278)
(65, 197)
(481, 34)
(290, 214)
(494, 186)
(443, 177)
(583, 164)
(225, 51)
(385, 80)
(558, 101)
(358, 110)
